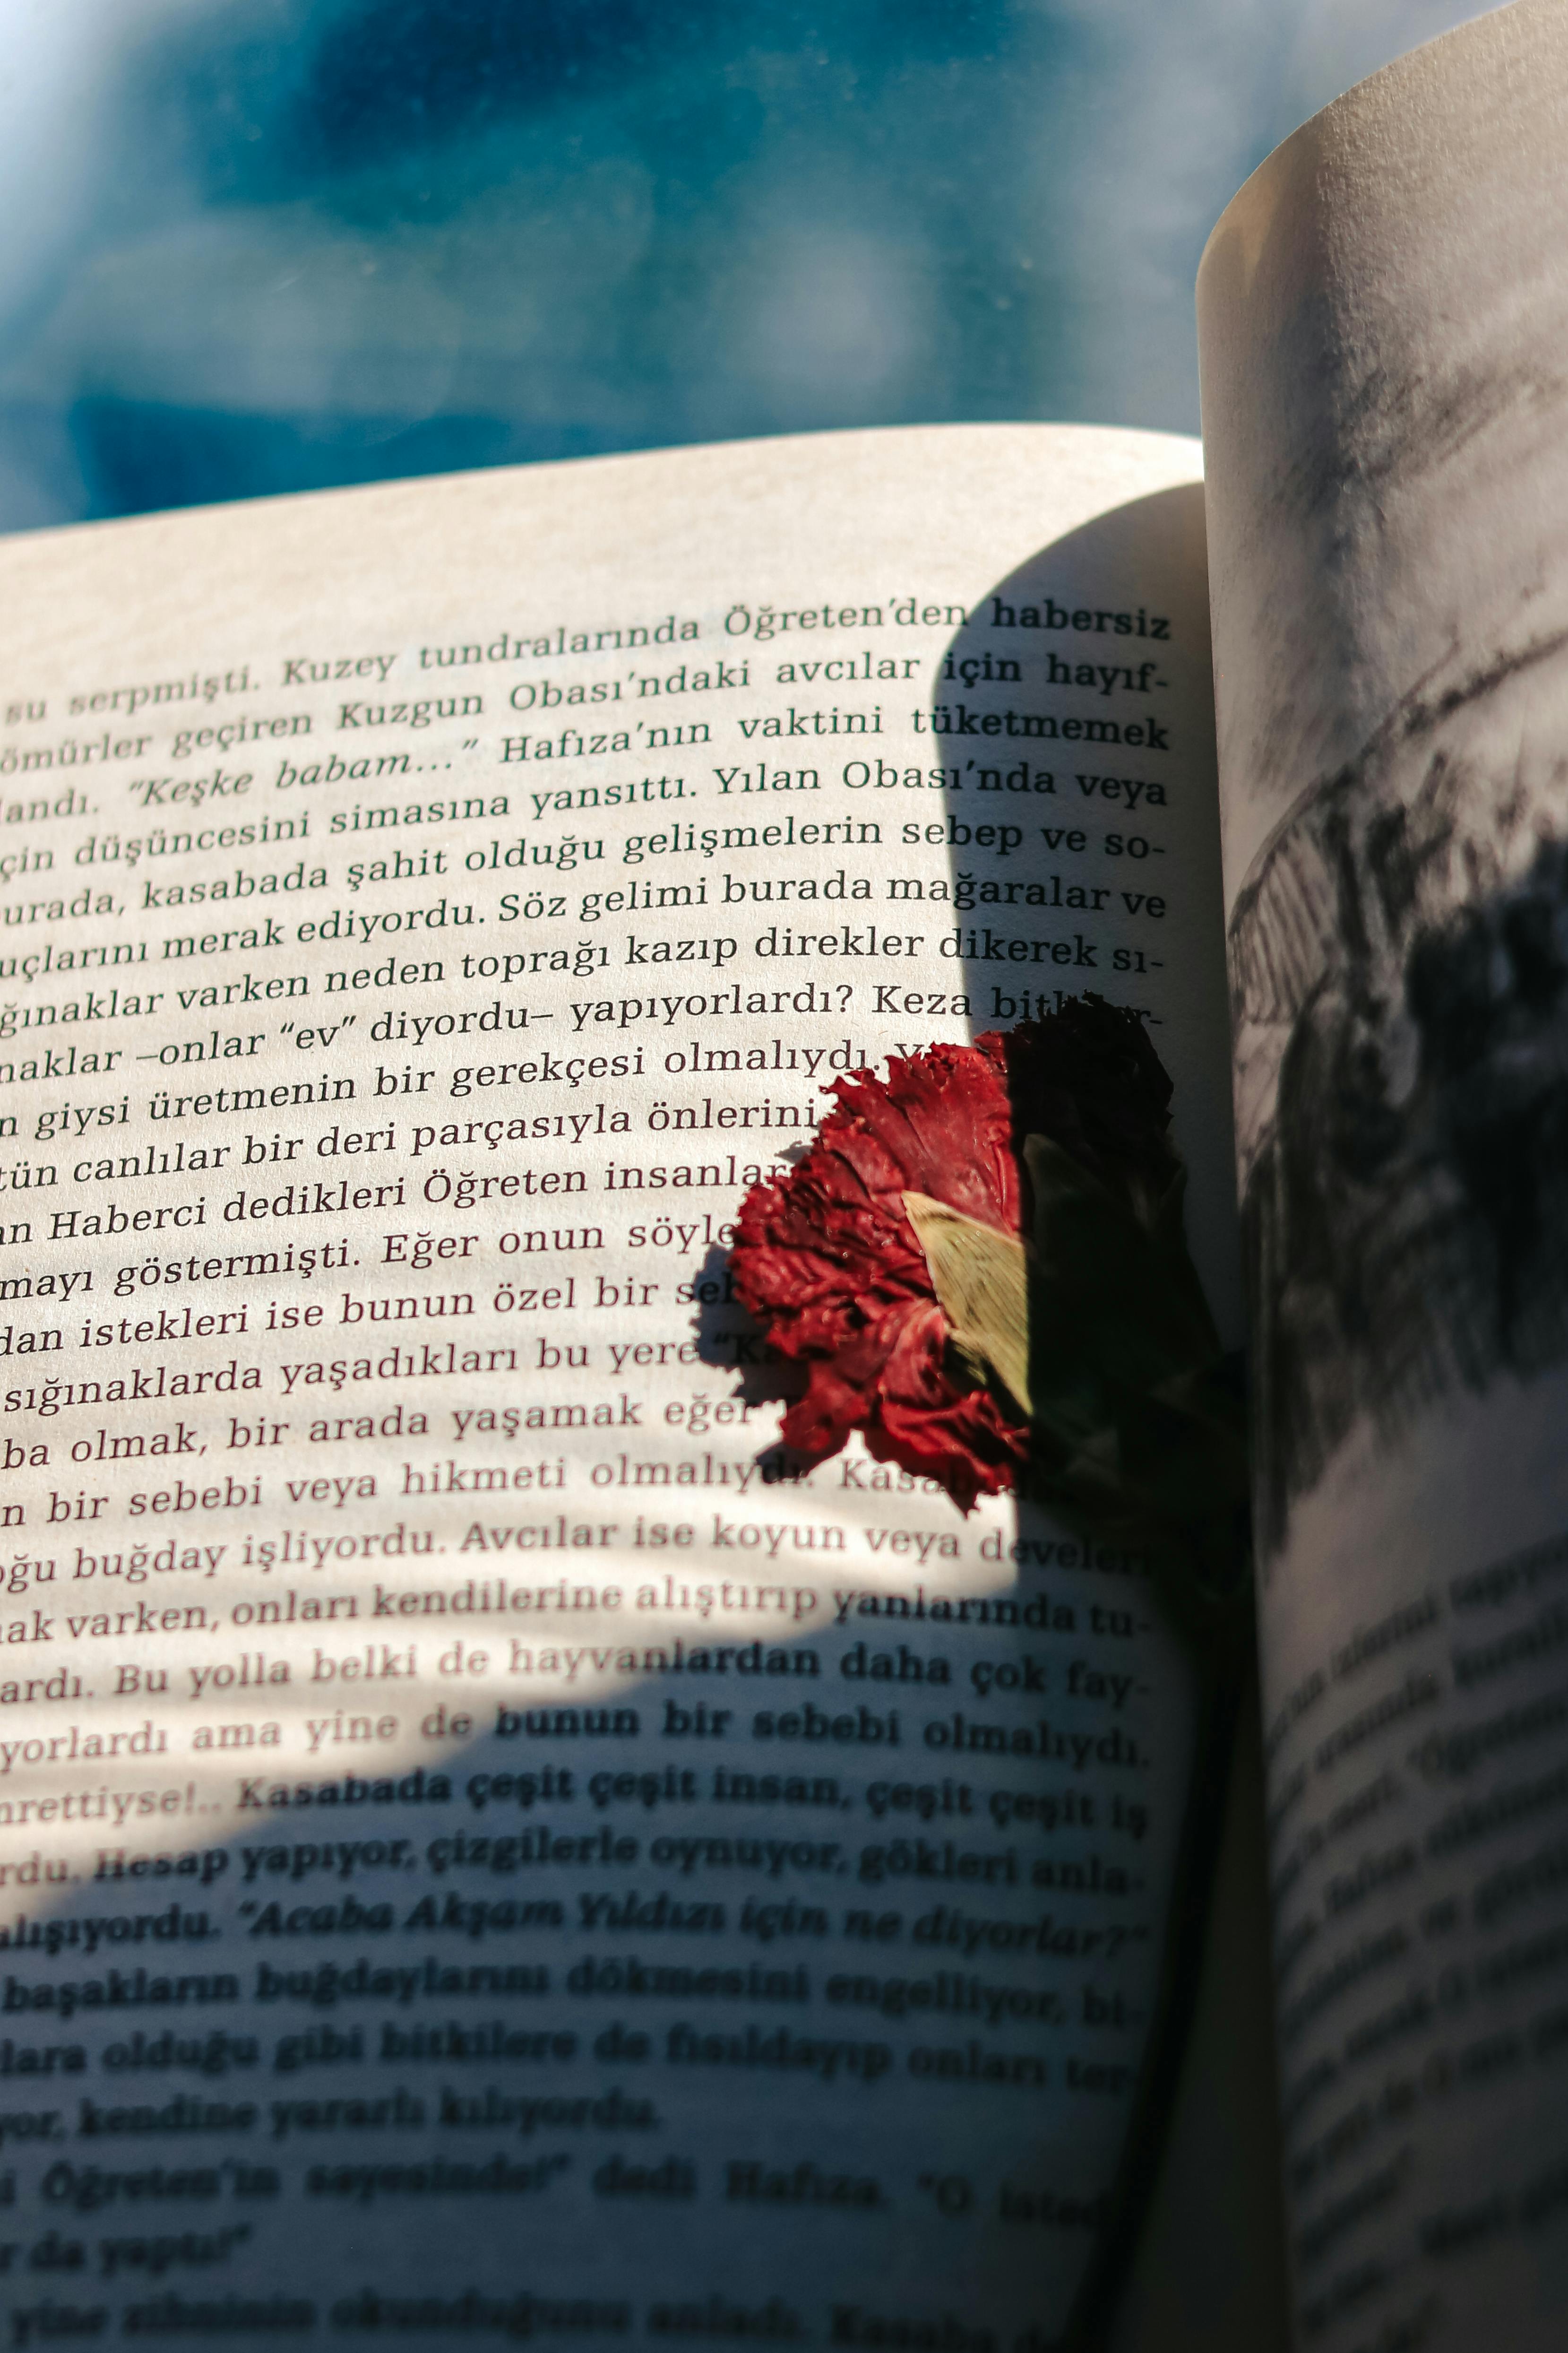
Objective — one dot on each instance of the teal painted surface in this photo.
(255, 246)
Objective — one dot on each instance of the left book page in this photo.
(487, 1843)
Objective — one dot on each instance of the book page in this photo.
(489, 1845)
(1384, 316)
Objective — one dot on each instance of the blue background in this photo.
(251, 245)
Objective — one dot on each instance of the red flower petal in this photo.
(828, 1263)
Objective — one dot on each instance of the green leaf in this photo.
(1099, 1336)
(981, 1280)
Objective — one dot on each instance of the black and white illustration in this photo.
(1386, 417)
(1399, 978)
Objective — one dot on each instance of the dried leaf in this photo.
(982, 1283)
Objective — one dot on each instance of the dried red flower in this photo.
(827, 1261)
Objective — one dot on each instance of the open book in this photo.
(491, 1845)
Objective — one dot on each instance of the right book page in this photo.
(1384, 326)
